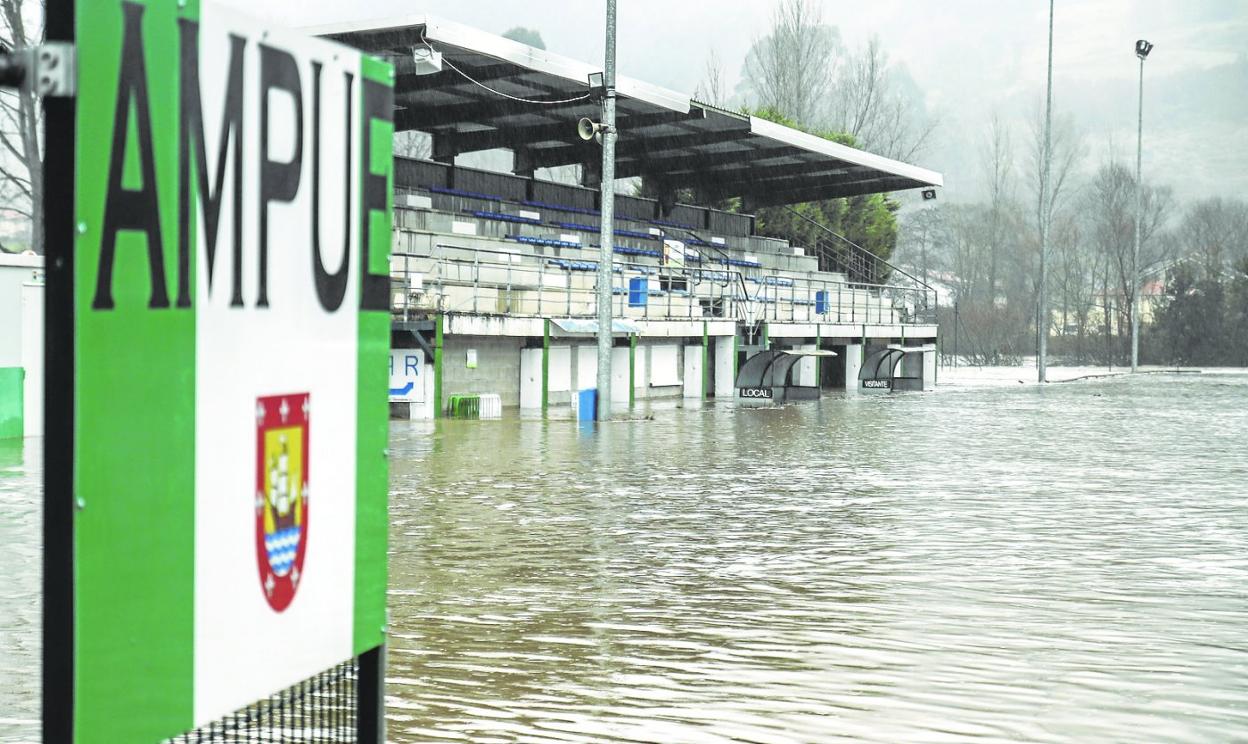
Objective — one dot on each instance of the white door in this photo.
(531, 378)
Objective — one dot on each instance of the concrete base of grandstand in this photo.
(537, 364)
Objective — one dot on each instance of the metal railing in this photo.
(455, 279)
(835, 252)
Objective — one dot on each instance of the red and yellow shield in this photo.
(281, 494)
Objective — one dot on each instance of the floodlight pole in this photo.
(1042, 363)
(607, 236)
(1139, 212)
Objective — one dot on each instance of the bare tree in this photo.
(867, 103)
(998, 164)
(1215, 232)
(1111, 206)
(413, 144)
(791, 69)
(21, 158)
(712, 89)
(1067, 149)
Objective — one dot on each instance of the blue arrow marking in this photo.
(403, 390)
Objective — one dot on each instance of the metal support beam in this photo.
(765, 198)
(562, 130)
(427, 118)
(646, 150)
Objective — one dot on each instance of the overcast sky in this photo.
(970, 57)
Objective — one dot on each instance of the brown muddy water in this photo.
(1059, 563)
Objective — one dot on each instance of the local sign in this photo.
(230, 329)
(755, 392)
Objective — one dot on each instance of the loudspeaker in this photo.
(588, 129)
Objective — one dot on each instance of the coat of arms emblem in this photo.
(281, 494)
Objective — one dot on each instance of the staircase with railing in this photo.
(914, 299)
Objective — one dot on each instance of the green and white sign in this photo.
(231, 333)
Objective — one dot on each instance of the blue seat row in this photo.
(739, 262)
(576, 226)
(579, 265)
(637, 234)
(503, 217)
(573, 265)
(627, 251)
(546, 242)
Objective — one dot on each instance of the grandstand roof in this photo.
(663, 134)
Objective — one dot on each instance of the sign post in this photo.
(218, 328)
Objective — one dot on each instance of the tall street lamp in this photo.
(1042, 320)
(1142, 48)
(607, 233)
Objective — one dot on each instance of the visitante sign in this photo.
(880, 384)
(230, 329)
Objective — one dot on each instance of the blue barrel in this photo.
(586, 404)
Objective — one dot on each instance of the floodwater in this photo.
(994, 563)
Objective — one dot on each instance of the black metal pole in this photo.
(370, 716)
(58, 396)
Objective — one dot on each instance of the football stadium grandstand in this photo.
(494, 274)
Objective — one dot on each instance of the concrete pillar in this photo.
(853, 363)
(429, 409)
(929, 370)
(725, 366)
(438, 343)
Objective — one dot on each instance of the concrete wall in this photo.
(497, 370)
(659, 361)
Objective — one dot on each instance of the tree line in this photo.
(985, 256)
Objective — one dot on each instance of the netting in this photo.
(320, 709)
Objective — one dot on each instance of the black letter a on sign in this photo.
(126, 209)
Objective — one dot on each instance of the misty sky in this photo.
(971, 58)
